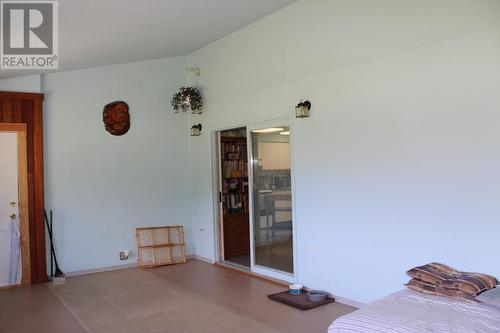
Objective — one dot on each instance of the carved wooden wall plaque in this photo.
(116, 118)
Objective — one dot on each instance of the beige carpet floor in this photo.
(193, 297)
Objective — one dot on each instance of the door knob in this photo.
(13, 216)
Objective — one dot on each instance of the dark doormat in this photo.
(298, 301)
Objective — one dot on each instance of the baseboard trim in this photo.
(349, 302)
(124, 266)
(100, 269)
(200, 258)
(12, 286)
(239, 270)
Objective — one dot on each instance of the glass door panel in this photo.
(272, 199)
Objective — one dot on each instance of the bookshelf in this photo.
(234, 196)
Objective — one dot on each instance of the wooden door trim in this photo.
(22, 179)
(13, 127)
(38, 187)
(21, 95)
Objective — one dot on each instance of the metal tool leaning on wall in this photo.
(58, 275)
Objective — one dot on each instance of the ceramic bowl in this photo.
(316, 296)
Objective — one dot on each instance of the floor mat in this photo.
(298, 301)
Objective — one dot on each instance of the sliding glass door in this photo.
(272, 201)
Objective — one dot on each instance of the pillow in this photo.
(490, 297)
(431, 289)
(448, 278)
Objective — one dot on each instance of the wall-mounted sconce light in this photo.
(302, 109)
(193, 71)
(196, 130)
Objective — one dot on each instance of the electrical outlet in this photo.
(311, 250)
(124, 255)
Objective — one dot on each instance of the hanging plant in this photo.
(187, 98)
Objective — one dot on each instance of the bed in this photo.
(409, 311)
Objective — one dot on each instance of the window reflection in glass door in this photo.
(272, 198)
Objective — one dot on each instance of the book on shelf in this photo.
(234, 151)
(234, 168)
(235, 185)
(235, 203)
(234, 175)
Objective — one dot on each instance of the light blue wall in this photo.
(398, 164)
(101, 186)
(31, 83)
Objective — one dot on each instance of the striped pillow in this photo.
(449, 279)
(430, 289)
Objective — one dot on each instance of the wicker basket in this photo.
(157, 246)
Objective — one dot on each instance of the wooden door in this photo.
(26, 108)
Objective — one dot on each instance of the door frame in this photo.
(219, 254)
(218, 237)
(219, 228)
(22, 166)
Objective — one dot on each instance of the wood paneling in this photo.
(7, 110)
(26, 108)
(236, 235)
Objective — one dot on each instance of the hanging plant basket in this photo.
(187, 98)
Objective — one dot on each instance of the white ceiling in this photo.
(104, 32)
